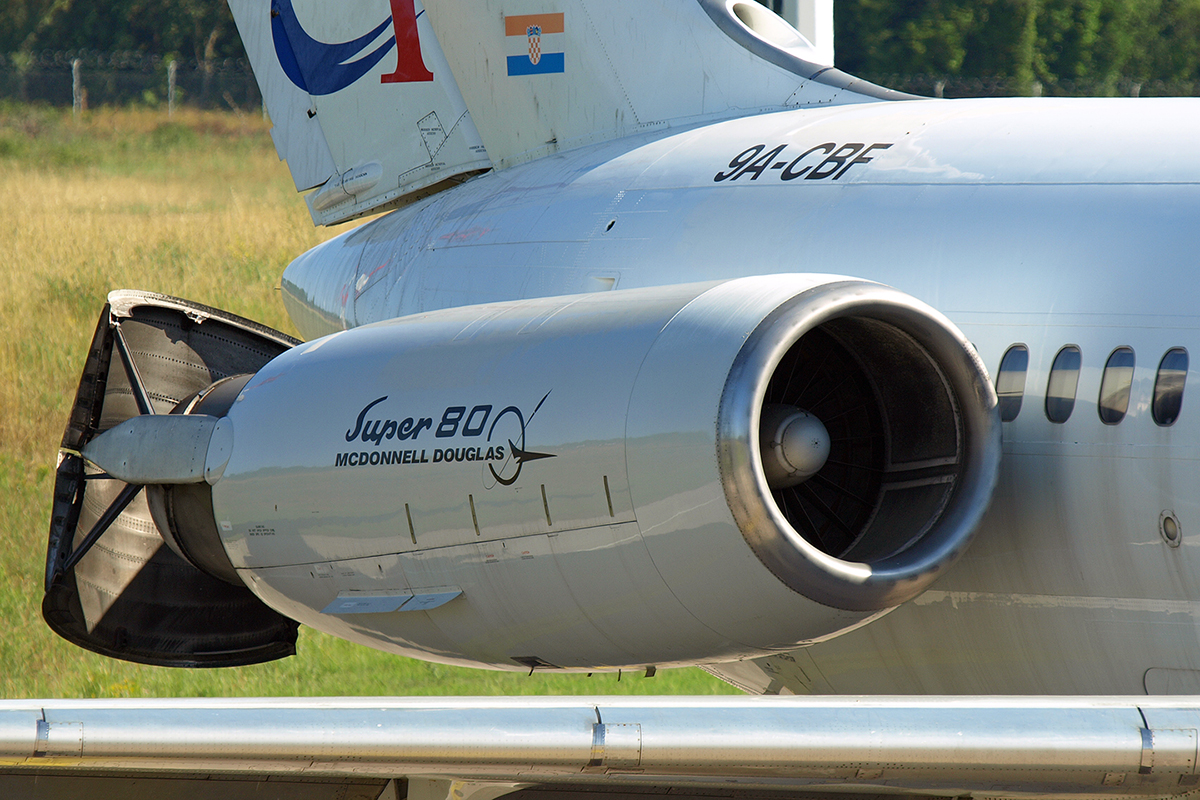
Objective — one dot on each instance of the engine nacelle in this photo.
(588, 482)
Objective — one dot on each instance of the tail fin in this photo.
(368, 112)
(542, 75)
(364, 106)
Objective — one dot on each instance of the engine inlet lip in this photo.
(851, 585)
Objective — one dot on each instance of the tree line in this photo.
(1025, 42)
(1029, 42)
(189, 29)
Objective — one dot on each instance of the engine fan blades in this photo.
(822, 376)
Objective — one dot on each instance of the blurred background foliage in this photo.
(1098, 47)
(189, 29)
(1044, 40)
(1051, 43)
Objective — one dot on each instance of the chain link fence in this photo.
(942, 86)
(89, 77)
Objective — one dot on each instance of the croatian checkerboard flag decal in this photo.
(537, 34)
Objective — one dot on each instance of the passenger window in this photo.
(1010, 381)
(1168, 386)
(1115, 386)
(1064, 380)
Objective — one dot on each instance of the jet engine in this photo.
(659, 476)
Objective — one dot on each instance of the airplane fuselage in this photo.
(1043, 223)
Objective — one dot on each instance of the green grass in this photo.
(198, 206)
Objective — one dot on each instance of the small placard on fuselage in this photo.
(427, 599)
(382, 602)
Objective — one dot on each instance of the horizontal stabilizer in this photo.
(364, 107)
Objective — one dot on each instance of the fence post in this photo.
(171, 89)
(76, 90)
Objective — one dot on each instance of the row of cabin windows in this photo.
(1115, 385)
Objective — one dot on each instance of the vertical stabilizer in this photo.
(365, 109)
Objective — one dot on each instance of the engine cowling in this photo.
(584, 475)
(658, 476)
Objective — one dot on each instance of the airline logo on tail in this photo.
(322, 68)
(530, 28)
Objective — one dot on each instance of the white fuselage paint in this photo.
(1041, 222)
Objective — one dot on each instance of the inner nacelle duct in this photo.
(913, 447)
(894, 434)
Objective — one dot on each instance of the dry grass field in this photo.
(197, 206)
